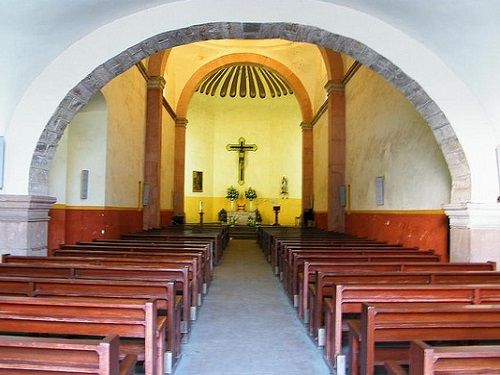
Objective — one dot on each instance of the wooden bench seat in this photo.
(21, 355)
(56, 316)
(286, 255)
(426, 359)
(151, 255)
(214, 240)
(348, 299)
(402, 323)
(294, 264)
(194, 277)
(310, 269)
(325, 282)
(168, 303)
(179, 275)
(207, 258)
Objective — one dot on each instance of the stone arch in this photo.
(333, 63)
(81, 93)
(297, 86)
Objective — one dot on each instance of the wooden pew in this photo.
(148, 249)
(180, 276)
(201, 265)
(21, 355)
(449, 360)
(325, 284)
(64, 316)
(213, 240)
(295, 263)
(310, 269)
(407, 322)
(168, 303)
(348, 300)
(194, 277)
(284, 253)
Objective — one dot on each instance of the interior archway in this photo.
(443, 131)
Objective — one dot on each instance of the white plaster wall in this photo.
(87, 150)
(126, 99)
(385, 136)
(55, 76)
(271, 124)
(83, 146)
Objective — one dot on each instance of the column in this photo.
(179, 165)
(336, 153)
(23, 224)
(307, 166)
(474, 232)
(152, 157)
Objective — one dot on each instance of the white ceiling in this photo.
(465, 34)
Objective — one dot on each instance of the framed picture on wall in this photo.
(197, 181)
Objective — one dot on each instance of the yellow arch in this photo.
(253, 58)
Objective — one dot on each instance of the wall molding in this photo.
(169, 109)
(397, 212)
(351, 72)
(93, 208)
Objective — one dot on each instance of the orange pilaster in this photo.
(336, 154)
(152, 157)
(307, 166)
(179, 163)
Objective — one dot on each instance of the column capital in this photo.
(25, 207)
(156, 82)
(181, 122)
(306, 126)
(334, 86)
(473, 215)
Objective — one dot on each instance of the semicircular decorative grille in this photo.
(244, 80)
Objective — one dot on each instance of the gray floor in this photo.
(246, 325)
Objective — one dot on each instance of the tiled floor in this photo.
(246, 325)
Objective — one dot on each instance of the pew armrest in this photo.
(127, 364)
(394, 368)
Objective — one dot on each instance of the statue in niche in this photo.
(284, 187)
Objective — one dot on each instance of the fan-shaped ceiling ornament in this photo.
(244, 80)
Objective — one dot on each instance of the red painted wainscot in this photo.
(72, 224)
(424, 229)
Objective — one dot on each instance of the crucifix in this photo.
(241, 147)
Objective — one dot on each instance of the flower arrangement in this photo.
(232, 193)
(251, 221)
(233, 220)
(250, 194)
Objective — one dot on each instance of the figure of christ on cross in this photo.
(241, 147)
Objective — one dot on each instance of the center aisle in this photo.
(246, 325)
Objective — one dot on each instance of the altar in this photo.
(241, 217)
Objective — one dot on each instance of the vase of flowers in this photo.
(232, 195)
(251, 195)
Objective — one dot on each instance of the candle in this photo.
(201, 206)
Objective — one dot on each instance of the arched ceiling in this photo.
(34, 32)
(244, 80)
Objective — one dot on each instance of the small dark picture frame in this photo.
(197, 181)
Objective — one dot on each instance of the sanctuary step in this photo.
(241, 232)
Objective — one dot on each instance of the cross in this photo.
(241, 147)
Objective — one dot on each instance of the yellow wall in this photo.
(272, 124)
(385, 136)
(320, 134)
(126, 99)
(167, 161)
(303, 59)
